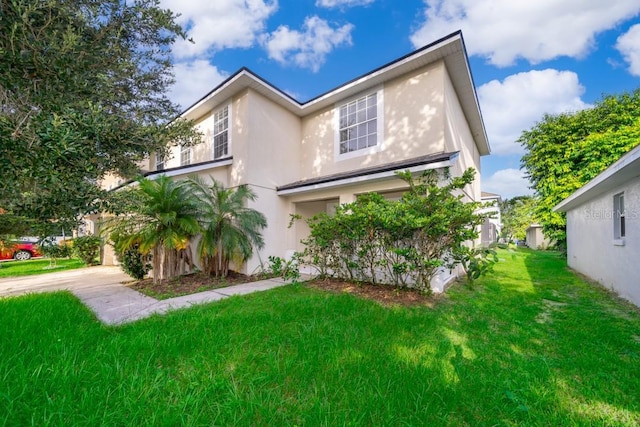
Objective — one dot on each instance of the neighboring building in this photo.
(603, 227)
(418, 112)
(490, 231)
(535, 238)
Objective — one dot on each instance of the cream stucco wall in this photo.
(412, 126)
(458, 137)
(590, 243)
(267, 156)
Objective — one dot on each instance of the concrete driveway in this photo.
(71, 280)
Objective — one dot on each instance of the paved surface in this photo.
(102, 290)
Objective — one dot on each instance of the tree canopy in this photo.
(565, 151)
(83, 92)
(517, 214)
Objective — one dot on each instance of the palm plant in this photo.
(164, 224)
(230, 230)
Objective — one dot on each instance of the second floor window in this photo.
(221, 133)
(358, 124)
(185, 155)
(159, 162)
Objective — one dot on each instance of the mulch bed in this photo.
(383, 294)
(200, 282)
(189, 284)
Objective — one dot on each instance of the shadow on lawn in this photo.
(588, 343)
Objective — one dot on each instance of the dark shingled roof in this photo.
(401, 165)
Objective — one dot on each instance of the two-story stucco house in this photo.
(418, 112)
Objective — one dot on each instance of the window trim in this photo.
(379, 91)
(619, 219)
(213, 131)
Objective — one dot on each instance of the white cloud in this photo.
(629, 46)
(342, 3)
(219, 24)
(505, 30)
(507, 183)
(520, 100)
(307, 48)
(193, 81)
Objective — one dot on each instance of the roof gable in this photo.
(450, 49)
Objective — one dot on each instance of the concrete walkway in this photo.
(102, 290)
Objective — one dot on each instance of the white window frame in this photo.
(159, 162)
(379, 92)
(185, 155)
(619, 219)
(228, 130)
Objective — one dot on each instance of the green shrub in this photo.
(51, 249)
(87, 248)
(280, 267)
(403, 243)
(134, 263)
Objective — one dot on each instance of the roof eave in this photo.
(626, 168)
(450, 48)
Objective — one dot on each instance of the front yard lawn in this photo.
(530, 345)
(37, 266)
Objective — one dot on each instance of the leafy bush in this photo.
(134, 263)
(87, 248)
(51, 249)
(404, 243)
(287, 269)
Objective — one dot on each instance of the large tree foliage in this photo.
(565, 151)
(517, 214)
(404, 243)
(82, 92)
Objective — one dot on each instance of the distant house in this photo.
(535, 237)
(417, 113)
(603, 227)
(490, 232)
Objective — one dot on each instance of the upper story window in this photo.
(185, 155)
(221, 133)
(619, 228)
(360, 125)
(159, 162)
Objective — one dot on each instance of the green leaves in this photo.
(403, 243)
(565, 151)
(229, 229)
(83, 92)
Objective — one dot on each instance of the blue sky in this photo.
(528, 58)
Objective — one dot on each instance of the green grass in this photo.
(37, 266)
(530, 345)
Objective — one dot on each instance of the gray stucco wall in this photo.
(592, 250)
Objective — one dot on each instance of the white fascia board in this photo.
(365, 178)
(186, 170)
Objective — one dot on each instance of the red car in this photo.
(20, 251)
